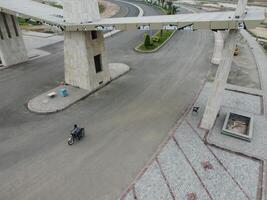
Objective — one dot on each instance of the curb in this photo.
(28, 104)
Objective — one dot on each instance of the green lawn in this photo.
(101, 8)
(265, 46)
(55, 4)
(165, 35)
(24, 22)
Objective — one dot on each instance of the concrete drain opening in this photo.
(238, 125)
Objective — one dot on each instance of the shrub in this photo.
(155, 39)
(147, 42)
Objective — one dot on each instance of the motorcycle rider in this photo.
(76, 131)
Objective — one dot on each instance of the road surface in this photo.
(124, 122)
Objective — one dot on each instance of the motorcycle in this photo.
(73, 137)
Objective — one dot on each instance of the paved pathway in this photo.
(186, 168)
(261, 61)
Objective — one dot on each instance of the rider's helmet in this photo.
(75, 126)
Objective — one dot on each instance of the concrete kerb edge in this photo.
(82, 98)
(154, 50)
(170, 136)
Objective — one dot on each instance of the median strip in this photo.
(154, 43)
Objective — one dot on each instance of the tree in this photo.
(147, 41)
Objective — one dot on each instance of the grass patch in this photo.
(166, 11)
(101, 8)
(25, 22)
(256, 36)
(22, 21)
(156, 44)
(264, 45)
(55, 4)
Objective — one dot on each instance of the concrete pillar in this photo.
(241, 8)
(12, 48)
(218, 48)
(216, 95)
(84, 52)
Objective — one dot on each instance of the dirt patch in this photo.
(260, 32)
(110, 9)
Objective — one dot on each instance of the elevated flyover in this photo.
(54, 16)
(207, 21)
(33, 10)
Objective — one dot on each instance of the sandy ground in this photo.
(110, 9)
(260, 32)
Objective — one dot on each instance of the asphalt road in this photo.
(125, 9)
(124, 122)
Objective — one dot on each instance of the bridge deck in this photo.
(54, 16)
(33, 10)
(211, 20)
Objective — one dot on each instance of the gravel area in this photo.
(193, 170)
(152, 185)
(238, 166)
(129, 196)
(182, 179)
(242, 102)
(218, 182)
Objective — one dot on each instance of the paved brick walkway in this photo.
(186, 167)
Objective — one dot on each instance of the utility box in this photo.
(63, 92)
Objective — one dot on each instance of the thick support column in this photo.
(218, 48)
(215, 98)
(12, 48)
(241, 8)
(85, 59)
